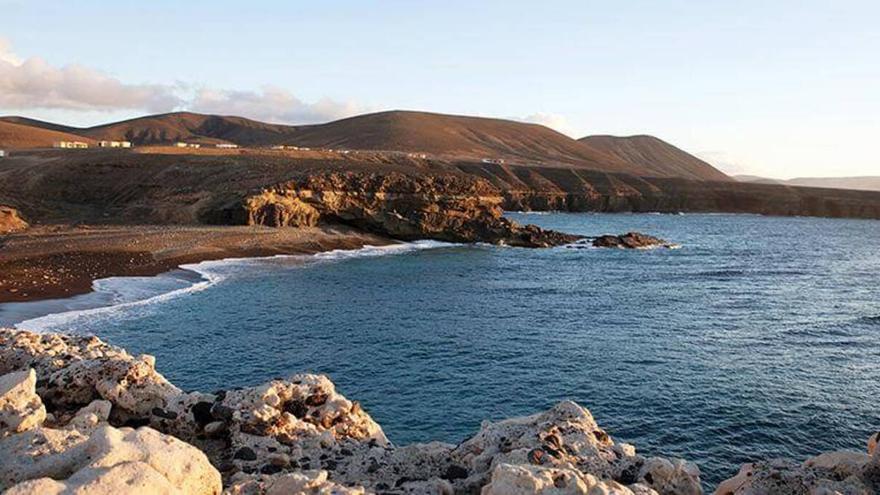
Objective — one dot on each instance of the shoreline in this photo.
(56, 262)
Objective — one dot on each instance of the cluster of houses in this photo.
(83, 145)
(496, 161)
(70, 144)
(286, 147)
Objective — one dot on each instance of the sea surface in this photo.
(758, 338)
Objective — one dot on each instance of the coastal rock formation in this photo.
(20, 407)
(840, 472)
(86, 455)
(630, 240)
(282, 436)
(444, 207)
(10, 220)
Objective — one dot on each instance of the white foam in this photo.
(125, 293)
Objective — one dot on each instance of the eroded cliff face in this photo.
(10, 220)
(443, 207)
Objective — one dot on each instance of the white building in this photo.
(181, 144)
(114, 144)
(2, 154)
(70, 144)
(226, 145)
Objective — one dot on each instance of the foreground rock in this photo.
(445, 207)
(631, 240)
(841, 472)
(286, 436)
(87, 455)
(10, 220)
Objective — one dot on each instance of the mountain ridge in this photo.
(450, 137)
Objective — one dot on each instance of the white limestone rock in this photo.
(20, 407)
(74, 370)
(47, 460)
(508, 479)
(303, 482)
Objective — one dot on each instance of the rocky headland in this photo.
(78, 415)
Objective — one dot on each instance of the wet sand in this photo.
(49, 262)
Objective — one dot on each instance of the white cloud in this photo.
(554, 121)
(34, 83)
(271, 104)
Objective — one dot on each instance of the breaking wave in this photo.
(114, 297)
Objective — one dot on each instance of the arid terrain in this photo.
(397, 175)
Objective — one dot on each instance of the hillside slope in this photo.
(19, 136)
(192, 127)
(657, 157)
(460, 137)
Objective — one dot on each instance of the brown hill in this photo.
(460, 137)
(192, 127)
(19, 136)
(447, 136)
(657, 157)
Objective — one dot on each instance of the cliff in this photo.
(444, 207)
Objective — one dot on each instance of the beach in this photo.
(48, 262)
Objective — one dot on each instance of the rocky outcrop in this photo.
(840, 472)
(285, 436)
(10, 220)
(87, 455)
(445, 207)
(630, 240)
(20, 407)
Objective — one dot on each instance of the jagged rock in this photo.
(10, 220)
(86, 455)
(510, 479)
(264, 438)
(630, 240)
(445, 207)
(20, 407)
(567, 437)
(841, 472)
(73, 370)
(313, 482)
(110, 460)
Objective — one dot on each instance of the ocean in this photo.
(758, 338)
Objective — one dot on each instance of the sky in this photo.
(773, 88)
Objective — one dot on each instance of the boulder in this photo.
(843, 472)
(109, 460)
(20, 407)
(313, 482)
(86, 455)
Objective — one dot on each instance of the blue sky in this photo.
(779, 88)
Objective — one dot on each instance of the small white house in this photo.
(70, 144)
(2, 154)
(226, 145)
(114, 144)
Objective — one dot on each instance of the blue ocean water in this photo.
(759, 338)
